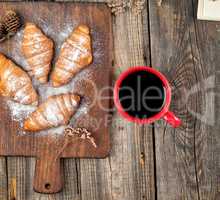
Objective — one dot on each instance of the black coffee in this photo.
(142, 94)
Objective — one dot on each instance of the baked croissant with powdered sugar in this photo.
(15, 83)
(76, 54)
(55, 111)
(38, 50)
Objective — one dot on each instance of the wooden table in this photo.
(150, 162)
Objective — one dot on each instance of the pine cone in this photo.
(3, 32)
(11, 22)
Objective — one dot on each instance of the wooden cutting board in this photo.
(57, 20)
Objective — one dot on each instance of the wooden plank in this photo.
(71, 188)
(19, 178)
(129, 171)
(186, 50)
(3, 179)
(21, 172)
(95, 179)
(206, 38)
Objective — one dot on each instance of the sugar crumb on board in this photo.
(18, 111)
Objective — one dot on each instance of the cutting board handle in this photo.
(48, 175)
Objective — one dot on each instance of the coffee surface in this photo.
(142, 94)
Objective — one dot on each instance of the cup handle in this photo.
(172, 119)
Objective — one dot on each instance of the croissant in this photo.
(75, 55)
(15, 83)
(38, 50)
(56, 110)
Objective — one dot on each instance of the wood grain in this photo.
(132, 153)
(3, 179)
(19, 177)
(208, 162)
(185, 157)
(46, 147)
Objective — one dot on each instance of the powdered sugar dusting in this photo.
(83, 110)
(53, 114)
(16, 53)
(57, 130)
(63, 35)
(20, 112)
(52, 131)
(46, 28)
(62, 32)
(47, 90)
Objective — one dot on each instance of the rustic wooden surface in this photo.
(150, 162)
(187, 163)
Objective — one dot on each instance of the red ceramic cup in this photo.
(163, 113)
